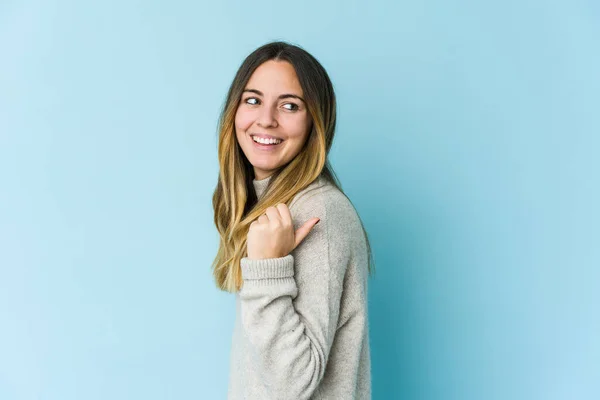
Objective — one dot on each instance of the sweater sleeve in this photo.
(290, 305)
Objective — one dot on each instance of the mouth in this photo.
(265, 144)
(264, 137)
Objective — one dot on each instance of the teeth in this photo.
(265, 141)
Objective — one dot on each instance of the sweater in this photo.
(301, 324)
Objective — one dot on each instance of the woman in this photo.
(292, 246)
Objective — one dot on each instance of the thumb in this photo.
(304, 230)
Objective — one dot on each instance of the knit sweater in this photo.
(301, 328)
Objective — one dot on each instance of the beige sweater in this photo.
(301, 326)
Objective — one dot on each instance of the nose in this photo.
(266, 119)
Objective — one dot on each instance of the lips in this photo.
(265, 147)
(265, 136)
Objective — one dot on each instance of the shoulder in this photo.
(318, 194)
(324, 200)
(335, 241)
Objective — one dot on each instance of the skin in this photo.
(285, 118)
(272, 234)
(263, 110)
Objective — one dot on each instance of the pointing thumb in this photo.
(304, 230)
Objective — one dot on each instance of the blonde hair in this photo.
(235, 203)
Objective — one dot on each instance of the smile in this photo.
(266, 144)
(266, 141)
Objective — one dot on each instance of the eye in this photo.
(251, 98)
(293, 108)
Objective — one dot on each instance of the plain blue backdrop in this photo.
(467, 139)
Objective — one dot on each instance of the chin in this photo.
(266, 168)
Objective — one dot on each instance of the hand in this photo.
(272, 234)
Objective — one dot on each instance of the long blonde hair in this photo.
(234, 201)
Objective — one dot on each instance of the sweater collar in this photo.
(260, 186)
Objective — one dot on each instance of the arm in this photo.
(290, 305)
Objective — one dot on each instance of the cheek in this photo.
(299, 128)
(242, 120)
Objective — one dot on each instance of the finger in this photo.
(284, 211)
(304, 230)
(263, 219)
(273, 214)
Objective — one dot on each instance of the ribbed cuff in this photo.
(266, 268)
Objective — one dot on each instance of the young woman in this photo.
(292, 246)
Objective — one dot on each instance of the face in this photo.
(272, 110)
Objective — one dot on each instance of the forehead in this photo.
(275, 77)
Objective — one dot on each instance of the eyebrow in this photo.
(282, 96)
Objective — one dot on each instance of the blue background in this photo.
(467, 140)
